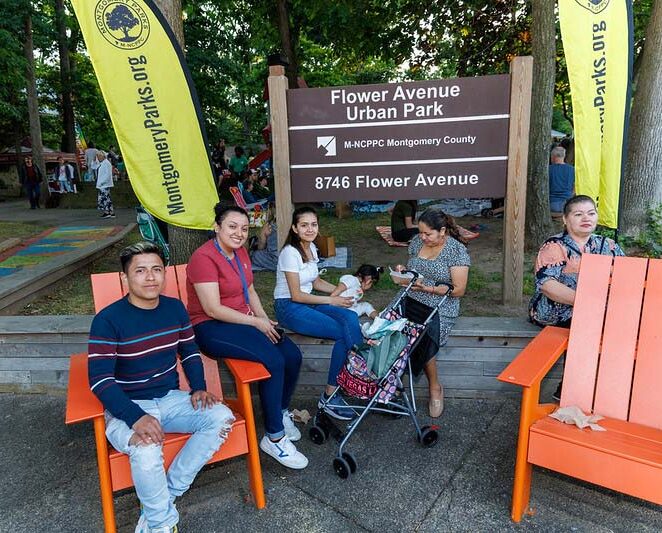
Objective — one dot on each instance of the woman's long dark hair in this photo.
(437, 219)
(292, 238)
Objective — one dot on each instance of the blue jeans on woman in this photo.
(323, 321)
(283, 361)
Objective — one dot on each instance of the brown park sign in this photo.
(397, 141)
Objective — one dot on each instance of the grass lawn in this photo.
(19, 230)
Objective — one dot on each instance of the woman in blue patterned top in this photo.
(558, 261)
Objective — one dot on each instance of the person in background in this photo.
(104, 184)
(324, 316)
(64, 174)
(218, 158)
(557, 265)
(90, 161)
(238, 163)
(403, 220)
(561, 180)
(247, 192)
(229, 321)
(31, 177)
(121, 168)
(264, 247)
(132, 368)
(112, 156)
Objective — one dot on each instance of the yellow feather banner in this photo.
(153, 106)
(598, 41)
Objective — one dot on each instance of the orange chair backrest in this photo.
(614, 359)
(108, 288)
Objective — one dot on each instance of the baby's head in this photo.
(368, 275)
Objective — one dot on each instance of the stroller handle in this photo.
(416, 274)
(447, 284)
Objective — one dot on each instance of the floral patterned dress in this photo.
(454, 253)
(558, 259)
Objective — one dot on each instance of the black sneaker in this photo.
(557, 394)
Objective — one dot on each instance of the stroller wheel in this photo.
(351, 461)
(317, 434)
(428, 436)
(341, 468)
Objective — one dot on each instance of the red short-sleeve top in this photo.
(208, 265)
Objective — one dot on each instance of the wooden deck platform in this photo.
(34, 354)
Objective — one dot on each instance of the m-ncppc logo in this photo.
(594, 6)
(123, 23)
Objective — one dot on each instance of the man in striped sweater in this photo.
(133, 350)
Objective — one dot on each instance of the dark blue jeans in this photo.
(283, 360)
(33, 190)
(323, 321)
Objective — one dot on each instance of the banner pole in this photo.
(521, 75)
(280, 149)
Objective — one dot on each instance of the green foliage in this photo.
(649, 242)
(13, 110)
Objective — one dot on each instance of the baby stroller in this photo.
(385, 394)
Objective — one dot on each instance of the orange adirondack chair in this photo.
(613, 368)
(114, 468)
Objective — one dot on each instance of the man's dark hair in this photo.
(143, 247)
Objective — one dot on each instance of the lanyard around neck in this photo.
(239, 270)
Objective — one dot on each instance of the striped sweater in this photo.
(133, 355)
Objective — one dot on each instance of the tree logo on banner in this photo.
(594, 6)
(124, 24)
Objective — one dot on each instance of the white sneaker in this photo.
(291, 430)
(284, 452)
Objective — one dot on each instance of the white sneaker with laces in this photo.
(291, 430)
(284, 452)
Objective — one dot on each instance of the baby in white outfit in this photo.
(355, 285)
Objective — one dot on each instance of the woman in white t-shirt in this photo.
(301, 311)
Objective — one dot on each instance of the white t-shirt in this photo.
(353, 287)
(290, 260)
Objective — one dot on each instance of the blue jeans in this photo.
(156, 489)
(283, 361)
(323, 321)
(556, 206)
(33, 190)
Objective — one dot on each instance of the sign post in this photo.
(280, 149)
(521, 75)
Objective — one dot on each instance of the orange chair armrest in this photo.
(247, 371)
(82, 404)
(537, 358)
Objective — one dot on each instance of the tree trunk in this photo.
(172, 11)
(183, 241)
(33, 100)
(543, 32)
(287, 42)
(69, 137)
(642, 183)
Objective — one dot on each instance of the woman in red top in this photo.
(229, 321)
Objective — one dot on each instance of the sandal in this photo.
(436, 406)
